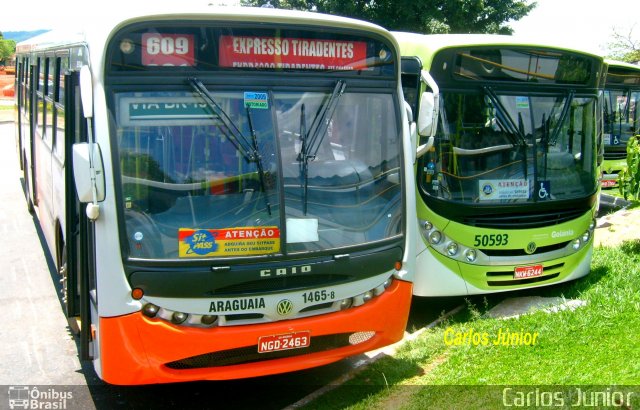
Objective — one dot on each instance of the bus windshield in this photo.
(621, 117)
(494, 148)
(246, 172)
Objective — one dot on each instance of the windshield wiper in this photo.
(258, 159)
(312, 140)
(249, 150)
(516, 134)
(563, 114)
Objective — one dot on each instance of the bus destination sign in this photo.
(292, 53)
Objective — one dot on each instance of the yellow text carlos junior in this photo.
(504, 337)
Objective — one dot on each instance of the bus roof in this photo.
(621, 75)
(100, 27)
(426, 45)
(622, 64)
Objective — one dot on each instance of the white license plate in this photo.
(287, 341)
(524, 272)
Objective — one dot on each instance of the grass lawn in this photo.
(597, 344)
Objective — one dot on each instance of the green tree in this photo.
(432, 16)
(625, 45)
(7, 48)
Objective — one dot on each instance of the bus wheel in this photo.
(27, 191)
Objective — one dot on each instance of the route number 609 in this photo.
(167, 45)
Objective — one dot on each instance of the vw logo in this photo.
(531, 248)
(284, 307)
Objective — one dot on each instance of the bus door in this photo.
(80, 242)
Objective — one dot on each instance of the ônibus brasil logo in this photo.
(25, 397)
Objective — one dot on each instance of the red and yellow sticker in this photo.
(198, 243)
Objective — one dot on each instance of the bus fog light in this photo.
(387, 283)
(435, 237)
(346, 303)
(470, 255)
(586, 236)
(178, 317)
(426, 225)
(360, 337)
(208, 319)
(576, 244)
(452, 248)
(150, 310)
(367, 296)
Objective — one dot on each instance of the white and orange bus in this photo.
(226, 192)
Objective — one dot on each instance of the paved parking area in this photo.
(36, 346)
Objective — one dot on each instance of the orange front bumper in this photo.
(136, 350)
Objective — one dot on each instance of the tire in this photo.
(27, 189)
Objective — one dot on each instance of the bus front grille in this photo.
(527, 281)
(505, 277)
(614, 155)
(522, 252)
(249, 354)
(523, 220)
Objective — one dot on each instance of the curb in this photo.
(371, 357)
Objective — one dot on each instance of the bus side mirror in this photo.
(86, 91)
(82, 158)
(427, 121)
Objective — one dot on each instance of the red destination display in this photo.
(167, 50)
(292, 53)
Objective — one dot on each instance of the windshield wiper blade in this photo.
(312, 140)
(249, 151)
(257, 157)
(563, 114)
(323, 118)
(232, 131)
(505, 120)
(303, 159)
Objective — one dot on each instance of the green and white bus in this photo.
(507, 178)
(621, 117)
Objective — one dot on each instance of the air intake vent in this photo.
(615, 155)
(250, 354)
(523, 221)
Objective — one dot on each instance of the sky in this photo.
(584, 24)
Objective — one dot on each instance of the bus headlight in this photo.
(178, 317)
(346, 303)
(150, 310)
(435, 237)
(592, 225)
(576, 244)
(452, 248)
(470, 255)
(208, 319)
(367, 296)
(427, 226)
(586, 236)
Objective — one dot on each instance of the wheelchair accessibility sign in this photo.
(544, 189)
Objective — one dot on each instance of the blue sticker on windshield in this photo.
(522, 103)
(256, 100)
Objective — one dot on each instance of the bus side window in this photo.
(62, 65)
